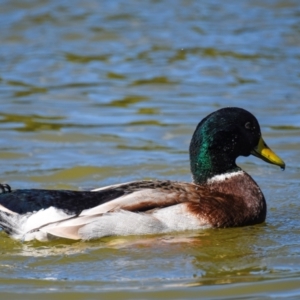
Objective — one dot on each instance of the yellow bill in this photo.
(263, 152)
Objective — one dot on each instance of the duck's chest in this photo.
(232, 200)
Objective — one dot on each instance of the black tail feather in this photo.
(5, 188)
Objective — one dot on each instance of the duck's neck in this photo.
(205, 164)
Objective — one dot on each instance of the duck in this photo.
(220, 195)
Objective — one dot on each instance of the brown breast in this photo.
(235, 201)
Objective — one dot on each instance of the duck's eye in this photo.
(248, 125)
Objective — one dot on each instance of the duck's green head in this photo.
(223, 136)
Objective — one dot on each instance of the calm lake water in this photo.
(100, 92)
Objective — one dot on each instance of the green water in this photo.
(100, 92)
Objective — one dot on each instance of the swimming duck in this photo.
(220, 195)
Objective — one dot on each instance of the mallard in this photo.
(220, 195)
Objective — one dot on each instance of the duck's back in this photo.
(73, 202)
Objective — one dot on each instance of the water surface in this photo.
(101, 92)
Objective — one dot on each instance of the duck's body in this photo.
(221, 195)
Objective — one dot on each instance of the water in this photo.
(100, 92)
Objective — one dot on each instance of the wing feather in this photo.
(142, 200)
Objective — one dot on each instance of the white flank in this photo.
(222, 177)
(122, 223)
(49, 223)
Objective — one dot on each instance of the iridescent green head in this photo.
(223, 136)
